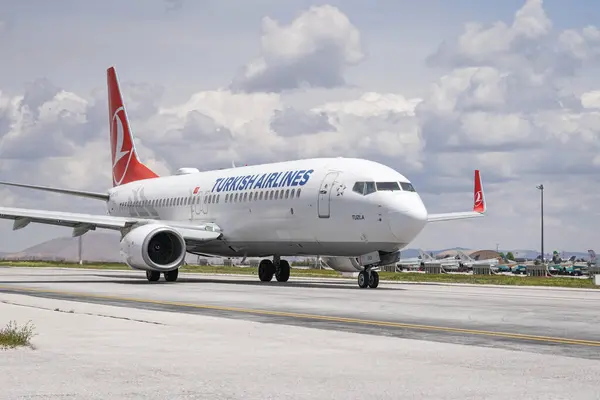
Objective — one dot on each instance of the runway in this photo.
(373, 333)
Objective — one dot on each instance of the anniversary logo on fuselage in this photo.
(270, 180)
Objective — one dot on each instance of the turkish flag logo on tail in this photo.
(478, 195)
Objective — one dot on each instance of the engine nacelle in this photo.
(342, 264)
(153, 247)
(352, 264)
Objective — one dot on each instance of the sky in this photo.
(434, 89)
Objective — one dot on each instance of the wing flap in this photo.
(24, 216)
(479, 205)
(81, 223)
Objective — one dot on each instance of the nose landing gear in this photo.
(368, 278)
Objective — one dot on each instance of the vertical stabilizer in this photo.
(126, 166)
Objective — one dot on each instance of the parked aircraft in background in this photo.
(448, 262)
(357, 214)
(470, 262)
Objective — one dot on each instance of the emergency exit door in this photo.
(324, 202)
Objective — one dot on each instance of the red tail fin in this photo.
(126, 166)
(478, 195)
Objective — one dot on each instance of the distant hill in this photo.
(104, 247)
(96, 246)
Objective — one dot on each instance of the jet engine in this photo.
(153, 247)
(351, 264)
(343, 264)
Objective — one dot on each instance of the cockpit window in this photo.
(364, 188)
(407, 186)
(369, 188)
(388, 186)
(359, 187)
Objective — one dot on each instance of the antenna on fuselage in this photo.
(233, 163)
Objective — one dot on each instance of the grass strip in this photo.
(508, 280)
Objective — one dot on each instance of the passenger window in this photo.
(276, 194)
(218, 196)
(287, 193)
(236, 197)
(260, 197)
(292, 193)
(298, 192)
(270, 195)
(255, 196)
(369, 188)
(226, 197)
(245, 196)
(359, 187)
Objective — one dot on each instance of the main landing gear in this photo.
(278, 267)
(170, 276)
(368, 278)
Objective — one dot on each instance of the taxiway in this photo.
(113, 334)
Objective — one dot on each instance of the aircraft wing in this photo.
(81, 223)
(479, 206)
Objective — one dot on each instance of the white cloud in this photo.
(313, 50)
(502, 104)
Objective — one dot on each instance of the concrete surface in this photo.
(164, 341)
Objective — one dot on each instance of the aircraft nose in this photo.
(407, 222)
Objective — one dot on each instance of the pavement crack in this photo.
(81, 313)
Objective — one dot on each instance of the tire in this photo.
(266, 269)
(363, 279)
(282, 273)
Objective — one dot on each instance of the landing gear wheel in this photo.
(171, 276)
(152, 276)
(363, 279)
(266, 269)
(373, 279)
(282, 271)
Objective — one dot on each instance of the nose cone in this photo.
(407, 221)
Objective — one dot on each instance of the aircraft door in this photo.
(324, 202)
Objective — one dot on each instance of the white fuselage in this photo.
(310, 208)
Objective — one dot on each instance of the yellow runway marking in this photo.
(356, 321)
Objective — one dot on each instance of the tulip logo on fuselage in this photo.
(263, 181)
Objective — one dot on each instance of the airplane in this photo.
(344, 209)
(409, 261)
(593, 259)
(446, 263)
(470, 261)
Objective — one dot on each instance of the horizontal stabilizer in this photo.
(79, 193)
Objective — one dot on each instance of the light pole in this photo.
(541, 188)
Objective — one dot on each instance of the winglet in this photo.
(478, 195)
